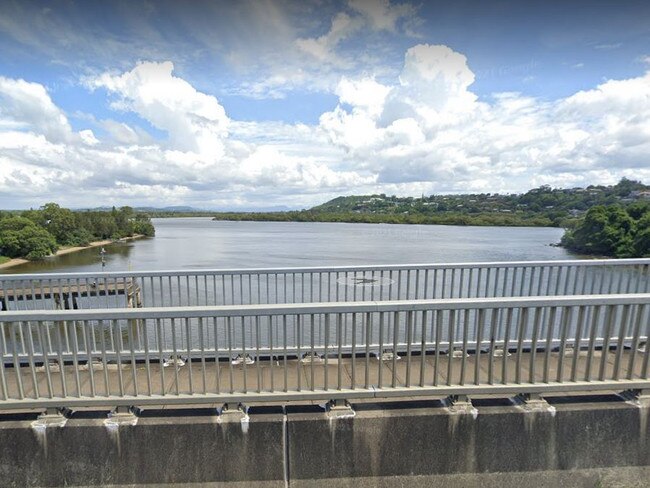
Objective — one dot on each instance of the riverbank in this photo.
(67, 250)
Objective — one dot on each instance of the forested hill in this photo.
(544, 206)
(552, 205)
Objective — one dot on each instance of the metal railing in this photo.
(324, 284)
(282, 352)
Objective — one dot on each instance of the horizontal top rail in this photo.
(325, 308)
(329, 269)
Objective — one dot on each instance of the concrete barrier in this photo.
(182, 450)
(429, 446)
(586, 443)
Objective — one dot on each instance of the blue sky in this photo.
(238, 105)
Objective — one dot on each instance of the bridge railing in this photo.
(323, 284)
(282, 352)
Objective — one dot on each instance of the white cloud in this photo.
(29, 106)
(433, 130)
(381, 14)
(194, 121)
(365, 93)
(425, 132)
(199, 160)
(372, 15)
(323, 48)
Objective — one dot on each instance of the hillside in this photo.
(544, 206)
(552, 204)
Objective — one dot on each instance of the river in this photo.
(190, 243)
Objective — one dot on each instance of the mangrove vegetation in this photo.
(35, 234)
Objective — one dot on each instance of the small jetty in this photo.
(66, 296)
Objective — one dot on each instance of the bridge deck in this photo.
(266, 376)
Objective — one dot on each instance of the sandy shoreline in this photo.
(68, 250)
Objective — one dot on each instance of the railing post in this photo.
(460, 404)
(122, 415)
(339, 409)
(233, 412)
(532, 402)
(51, 417)
(640, 398)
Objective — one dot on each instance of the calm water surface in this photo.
(189, 243)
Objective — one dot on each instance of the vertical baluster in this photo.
(423, 346)
(480, 326)
(549, 343)
(450, 350)
(635, 340)
(567, 319)
(521, 333)
(577, 342)
(409, 335)
(593, 334)
(610, 314)
(620, 346)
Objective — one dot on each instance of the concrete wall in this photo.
(586, 443)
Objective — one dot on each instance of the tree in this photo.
(60, 222)
(611, 231)
(642, 239)
(21, 237)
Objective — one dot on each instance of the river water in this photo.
(190, 243)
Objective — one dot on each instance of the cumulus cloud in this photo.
(194, 121)
(28, 105)
(198, 162)
(426, 131)
(430, 128)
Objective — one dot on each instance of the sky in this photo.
(287, 104)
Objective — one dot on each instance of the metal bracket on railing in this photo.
(458, 353)
(311, 357)
(174, 360)
(639, 398)
(339, 409)
(499, 352)
(242, 359)
(52, 417)
(233, 412)
(460, 404)
(122, 415)
(52, 364)
(388, 355)
(532, 402)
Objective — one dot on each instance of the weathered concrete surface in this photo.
(503, 441)
(414, 444)
(622, 477)
(156, 450)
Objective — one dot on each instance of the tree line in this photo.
(35, 234)
(449, 218)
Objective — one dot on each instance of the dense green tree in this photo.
(37, 233)
(21, 237)
(60, 222)
(611, 231)
(642, 239)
